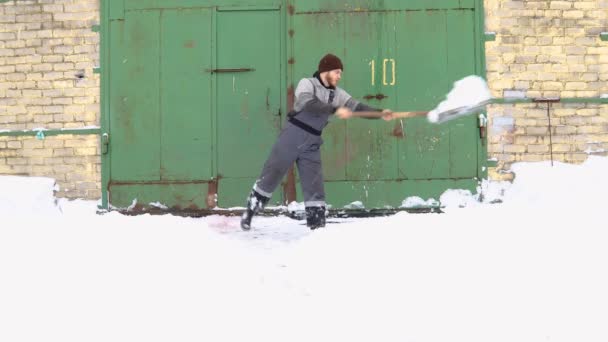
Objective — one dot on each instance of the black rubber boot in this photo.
(255, 203)
(315, 217)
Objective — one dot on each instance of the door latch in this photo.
(230, 70)
(105, 143)
(483, 126)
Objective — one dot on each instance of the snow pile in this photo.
(417, 202)
(458, 199)
(540, 185)
(530, 269)
(355, 205)
(466, 92)
(489, 192)
(560, 187)
(158, 205)
(492, 192)
(296, 207)
(77, 208)
(27, 196)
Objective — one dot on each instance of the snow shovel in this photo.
(468, 96)
(432, 116)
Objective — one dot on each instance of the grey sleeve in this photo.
(357, 106)
(307, 101)
(362, 107)
(343, 99)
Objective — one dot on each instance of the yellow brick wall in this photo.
(547, 49)
(47, 56)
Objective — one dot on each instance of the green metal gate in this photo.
(248, 99)
(194, 94)
(160, 122)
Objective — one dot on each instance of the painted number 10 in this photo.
(385, 62)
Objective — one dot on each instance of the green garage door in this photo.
(194, 94)
(248, 98)
(160, 107)
(404, 58)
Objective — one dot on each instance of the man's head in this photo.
(330, 69)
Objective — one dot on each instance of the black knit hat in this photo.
(330, 62)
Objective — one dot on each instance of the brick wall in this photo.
(547, 49)
(47, 56)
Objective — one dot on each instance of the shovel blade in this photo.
(459, 112)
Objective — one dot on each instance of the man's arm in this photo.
(308, 102)
(362, 107)
(357, 106)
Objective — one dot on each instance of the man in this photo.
(316, 99)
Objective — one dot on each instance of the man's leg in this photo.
(282, 156)
(311, 178)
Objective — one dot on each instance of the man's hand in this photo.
(344, 113)
(387, 115)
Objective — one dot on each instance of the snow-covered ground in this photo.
(532, 268)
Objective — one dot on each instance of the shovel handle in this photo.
(405, 115)
(396, 115)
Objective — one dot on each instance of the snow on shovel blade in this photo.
(468, 96)
(441, 117)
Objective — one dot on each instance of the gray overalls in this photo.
(300, 140)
